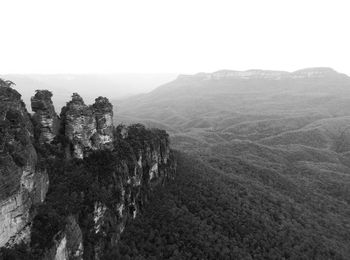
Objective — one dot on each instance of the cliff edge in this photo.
(100, 176)
(22, 185)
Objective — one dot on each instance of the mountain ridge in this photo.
(311, 72)
(288, 138)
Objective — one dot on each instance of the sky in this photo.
(178, 36)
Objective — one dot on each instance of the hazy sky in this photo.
(181, 36)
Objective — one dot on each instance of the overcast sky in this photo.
(180, 36)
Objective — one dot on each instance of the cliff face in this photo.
(153, 165)
(103, 113)
(119, 185)
(100, 176)
(45, 118)
(21, 184)
(68, 243)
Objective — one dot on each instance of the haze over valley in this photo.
(284, 137)
(263, 161)
(180, 130)
(115, 86)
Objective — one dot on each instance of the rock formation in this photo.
(45, 118)
(103, 112)
(154, 165)
(22, 185)
(68, 243)
(91, 199)
(88, 127)
(128, 180)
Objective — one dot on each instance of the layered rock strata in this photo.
(154, 165)
(137, 161)
(45, 118)
(128, 180)
(88, 127)
(21, 184)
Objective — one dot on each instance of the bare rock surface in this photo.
(45, 117)
(88, 127)
(21, 184)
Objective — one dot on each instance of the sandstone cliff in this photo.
(45, 118)
(21, 185)
(100, 176)
(88, 127)
(110, 187)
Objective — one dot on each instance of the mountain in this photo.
(229, 95)
(70, 183)
(264, 168)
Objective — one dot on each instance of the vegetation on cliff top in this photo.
(76, 185)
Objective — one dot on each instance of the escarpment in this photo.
(100, 176)
(22, 185)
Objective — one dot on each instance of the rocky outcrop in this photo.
(88, 127)
(21, 184)
(68, 244)
(119, 182)
(103, 113)
(74, 239)
(45, 118)
(109, 186)
(154, 165)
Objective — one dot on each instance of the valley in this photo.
(282, 137)
(251, 165)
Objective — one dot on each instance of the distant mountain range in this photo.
(263, 163)
(320, 72)
(88, 85)
(208, 99)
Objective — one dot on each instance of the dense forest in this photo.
(257, 178)
(268, 172)
(206, 214)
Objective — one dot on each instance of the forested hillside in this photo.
(207, 214)
(272, 176)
